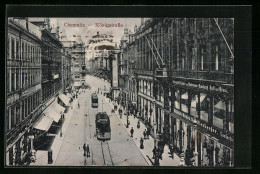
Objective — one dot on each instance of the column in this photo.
(196, 145)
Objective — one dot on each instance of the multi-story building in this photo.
(184, 70)
(66, 61)
(23, 87)
(66, 71)
(78, 62)
(99, 48)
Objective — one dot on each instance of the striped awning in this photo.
(44, 123)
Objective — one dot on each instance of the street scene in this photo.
(120, 92)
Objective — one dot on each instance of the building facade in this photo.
(78, 62)
(184, 71)
(23, 87)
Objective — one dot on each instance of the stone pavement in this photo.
(148, 143)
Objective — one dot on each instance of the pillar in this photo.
(196, 145)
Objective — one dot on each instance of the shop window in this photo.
(204, 106)
(177, 101)
(219, 112)
(184, 102)
(194, 108)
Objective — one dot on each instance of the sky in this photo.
(91, 26)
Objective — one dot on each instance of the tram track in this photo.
(107, 157)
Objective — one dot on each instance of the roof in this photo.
(102, 115)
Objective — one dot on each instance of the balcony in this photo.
(205, 75)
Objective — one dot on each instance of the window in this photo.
(8, 80)
(184, 101)
(17, 79)
(177, 99)
(7, 118)
(12, 48)
(17, 49)
(17, 114)
(22, 51)
(219, 112)
(193, 63)
(202, 60)
(204, 106)
(12, 117)
(194, 108)
(12, 81)
(216, 58)
(8, 48)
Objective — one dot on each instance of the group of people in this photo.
(86, 150)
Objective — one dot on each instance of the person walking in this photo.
(87, 149)
(78, 105)
(141, 143)
(148, 132)
(132, 131)
(84, 148)
(154, 152)
(138, 124)
(144, 133)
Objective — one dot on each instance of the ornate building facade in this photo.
(185, 82)
(23, 87)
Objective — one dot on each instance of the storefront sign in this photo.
(219, 89)
(192, 85)
(203, 87)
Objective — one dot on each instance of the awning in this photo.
(68, 95)
(44, 123)
(194, 102)
(220, 105)
(202, 97)
(58, 108)
(53, 114)
(184, 96)
(65, 99)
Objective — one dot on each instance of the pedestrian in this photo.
(138, 124)
(141, 143)
(78, 105)
(88, 153)
(154, 152)
(171, 150)
(148, 132)
(84, 148)
(144, 133)
(132, 131)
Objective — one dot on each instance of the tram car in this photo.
(94, 100)
(103, 129)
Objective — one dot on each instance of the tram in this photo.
(103, 129)
(94, 100)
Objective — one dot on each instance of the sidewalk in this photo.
(42, 155)
(148, 143)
